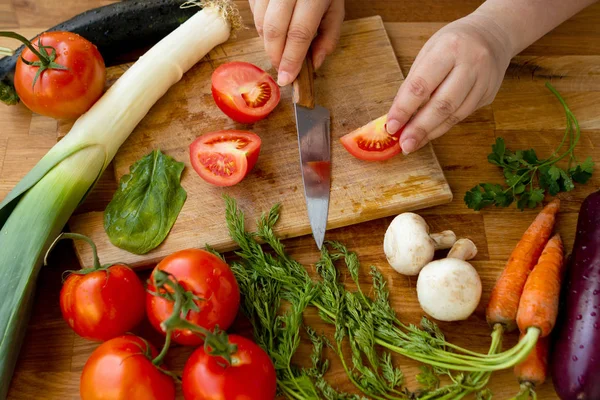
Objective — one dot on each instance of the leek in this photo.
(34, 213)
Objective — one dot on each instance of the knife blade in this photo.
(314, 143)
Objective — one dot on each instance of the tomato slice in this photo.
(224, 158)
(244, 92)
(371, 142)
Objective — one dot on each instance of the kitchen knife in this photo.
(314, 142)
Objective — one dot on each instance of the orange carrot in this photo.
(532, 372)
(538, 306)
(504, 300)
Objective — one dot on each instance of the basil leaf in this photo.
(146, 204)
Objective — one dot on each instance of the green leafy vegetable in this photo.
(8, 94)
(523, 169)
(146, 204)
(270, 281)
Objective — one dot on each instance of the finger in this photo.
(417, 87)
(275, 26)
(260, 7)
(444, 102)
(303, 27)
(471, 103)
(329, 33)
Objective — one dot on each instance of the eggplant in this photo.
(121, 32)
(575, 365)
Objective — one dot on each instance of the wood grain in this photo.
(53, 357)
(360, 191)
(303, 88)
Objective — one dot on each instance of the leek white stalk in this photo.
(33, 214)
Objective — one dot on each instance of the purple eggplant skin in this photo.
(575, 359)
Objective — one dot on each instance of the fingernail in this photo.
(283, 78)
(408, 146)
(318, 61)
(392, 126)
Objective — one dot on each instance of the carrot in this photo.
(532, 372)
(538, 306)
(504, 300)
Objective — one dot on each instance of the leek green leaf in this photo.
(146, 204)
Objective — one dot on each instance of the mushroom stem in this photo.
(443, 240)
(463, 249)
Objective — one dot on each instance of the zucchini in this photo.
(121, 31)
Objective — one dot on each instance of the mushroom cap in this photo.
(449, 289)
(407, 244)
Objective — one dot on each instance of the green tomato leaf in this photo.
(146, 204)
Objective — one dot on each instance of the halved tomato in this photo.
(371, 142)
(224, 158)
(244, 92)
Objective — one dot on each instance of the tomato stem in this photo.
(84, 271)
(46, 60)
(26, 42)
(216, 343)
(160, 357)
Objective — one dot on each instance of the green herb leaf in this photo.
(146, 204)
(566, 184)
(8, 94)
(583, 172)
(427, 378)
(497, 155)
(485, 194)
(530, 157)
(527, 177)
(531, 199)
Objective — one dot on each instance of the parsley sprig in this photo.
(528, 178)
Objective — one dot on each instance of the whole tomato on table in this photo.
(210, 280)
(122, 369)
(101, 302)
(59, 74)
(250, 375)
(104, 303)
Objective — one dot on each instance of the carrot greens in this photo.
(270, 281)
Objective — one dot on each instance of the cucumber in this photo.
(121, 31)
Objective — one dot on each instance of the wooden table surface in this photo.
(524, 113)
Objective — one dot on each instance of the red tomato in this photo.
(224, 158)
(119, 369)
(62, 93)
(206, 276)
(101, 305)
(251, 375)
(244, 92)
(372, 142)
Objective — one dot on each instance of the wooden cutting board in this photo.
(356, 84)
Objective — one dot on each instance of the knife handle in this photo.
(303, 88)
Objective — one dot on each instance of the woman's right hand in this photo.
(289, 27)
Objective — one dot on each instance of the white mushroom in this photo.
(450, 289)
(408, 246)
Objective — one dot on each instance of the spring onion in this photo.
(36, 210)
